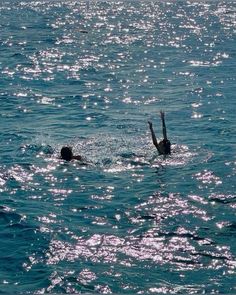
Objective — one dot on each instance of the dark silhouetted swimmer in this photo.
(164, 146)
(67, 154)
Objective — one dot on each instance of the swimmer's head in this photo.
(167, 146)
(66, 153)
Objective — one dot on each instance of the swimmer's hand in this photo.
(79, 158)
(81, 161)
(162, 115)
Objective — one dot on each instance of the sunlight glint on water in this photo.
(91, 74)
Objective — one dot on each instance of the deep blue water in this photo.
(90, 74)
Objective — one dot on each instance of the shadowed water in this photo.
(90, 74)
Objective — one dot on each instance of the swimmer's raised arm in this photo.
(163, 125)
(154, 140)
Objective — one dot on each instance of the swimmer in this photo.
(67, 154)
(164, 146)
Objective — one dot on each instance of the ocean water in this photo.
(90, 74)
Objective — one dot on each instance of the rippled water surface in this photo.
(91, 74)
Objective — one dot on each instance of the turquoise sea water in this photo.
(91, 74)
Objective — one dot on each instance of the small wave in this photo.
(222, 198)
(34, 148)
(9, 216)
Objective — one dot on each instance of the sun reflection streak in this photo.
(178, 248)
(208, 177)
